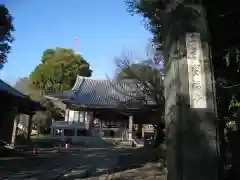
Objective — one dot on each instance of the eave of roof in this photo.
(9, 89)
(99, 93)
(24, 102)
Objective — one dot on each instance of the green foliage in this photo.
(150, 81)
(140, 71)
(151, 11)
(59, 69)
(225, 50)
(6, 38)
(144, 76)
(25, 86)
(55, 112)
(42, 120)
(47, 55)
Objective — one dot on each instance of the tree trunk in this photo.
(192, 149)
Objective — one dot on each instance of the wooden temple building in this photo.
(13, 104)
(103, 108)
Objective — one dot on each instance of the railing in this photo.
(109, 126)
(67, 122)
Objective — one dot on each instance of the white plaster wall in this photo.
(72, 116)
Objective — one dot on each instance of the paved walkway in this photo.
(97, 160)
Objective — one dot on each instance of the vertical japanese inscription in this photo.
(197, 90)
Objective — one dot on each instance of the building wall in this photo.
(106, 126)
(103, 124)
(88, 119)
(79, 117)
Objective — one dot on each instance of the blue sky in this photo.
(104, 29)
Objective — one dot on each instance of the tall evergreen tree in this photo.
(6, 38)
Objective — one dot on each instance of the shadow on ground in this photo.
(22, 162)
(119, 163)
(94, 159)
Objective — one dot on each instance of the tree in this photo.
(225, 50)
(151, 11)
(170, 22)
(6, 38)
(145, 77)
(25, 86)
(58, 70)
(41, 119)
(55, 112)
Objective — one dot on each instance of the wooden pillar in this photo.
(52, 131)
(7, 120)
(67, 114)
(192, 149)
(75, 132)
(91, 119)
(14, 132)
(87, 117)
(29, 128)
(130, 126)
(143, 129)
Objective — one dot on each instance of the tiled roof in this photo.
(29, 104)
(4, 87)
(104, 93)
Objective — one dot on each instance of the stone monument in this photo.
(191, 124)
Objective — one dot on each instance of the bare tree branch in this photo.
(144, 77)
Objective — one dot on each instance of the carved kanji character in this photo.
(196, 84)
(196, 96)
(196, 69)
